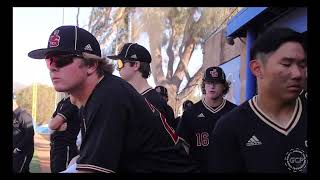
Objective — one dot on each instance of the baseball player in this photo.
(268, 133)
(198, 122)
(23, 143)
(133, 63)
(121, 130)
(65, 124)
(164, 94)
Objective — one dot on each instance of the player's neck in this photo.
(278, 111)
(140, 84)
(213, 102)
(82, 93)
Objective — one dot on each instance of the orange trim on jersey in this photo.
(167, 127)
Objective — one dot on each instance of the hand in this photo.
(63, 127)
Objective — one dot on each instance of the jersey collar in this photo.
(266, 119)
(214, 110)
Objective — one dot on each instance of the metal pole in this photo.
(62, 16)
(34, 102)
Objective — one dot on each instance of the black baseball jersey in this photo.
(158, 102)
(63, 143)
(173, 123)
(196, 124)
(23, 143)
(246, 140)
(69, 136)
(304, 94)
(22, 130)
(123, 132)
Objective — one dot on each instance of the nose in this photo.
(52, 67)
(298, 72)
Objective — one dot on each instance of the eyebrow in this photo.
(292, 59)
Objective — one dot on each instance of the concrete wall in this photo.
(217, 51)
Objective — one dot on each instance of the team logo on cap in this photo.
(134, 56)
(214, 73)
(88, 47)
(54, 39)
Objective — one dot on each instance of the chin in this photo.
(291, 96)
(59, 89)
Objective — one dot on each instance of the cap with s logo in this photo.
(68, 40)
(214, 74)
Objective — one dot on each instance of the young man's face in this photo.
(66, 77)
(214, 90)
(284, 73)
(127, 71)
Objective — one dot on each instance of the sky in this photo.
(31, 30)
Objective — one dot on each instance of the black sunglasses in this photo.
(60, 60)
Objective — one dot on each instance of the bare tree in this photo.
(174, 33)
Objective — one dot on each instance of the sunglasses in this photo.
(120, 64)
(60, 60)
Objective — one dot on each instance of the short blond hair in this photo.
(104, 65)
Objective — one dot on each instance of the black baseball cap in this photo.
(68, 40)
(133, 52)
(214, 74)
(162, 90)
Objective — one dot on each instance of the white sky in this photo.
(31, 30)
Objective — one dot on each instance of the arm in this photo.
(224, 155)
(56, 122)
(63, 113)
(183, 128)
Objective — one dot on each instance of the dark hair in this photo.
(144, 69)
(225, 83)
(103, 64)
(272, 39)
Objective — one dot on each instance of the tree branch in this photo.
(183, 64)
(170, 52)
(194, 81)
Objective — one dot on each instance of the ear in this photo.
(256, 68)
(92, 68)
(136, 65)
